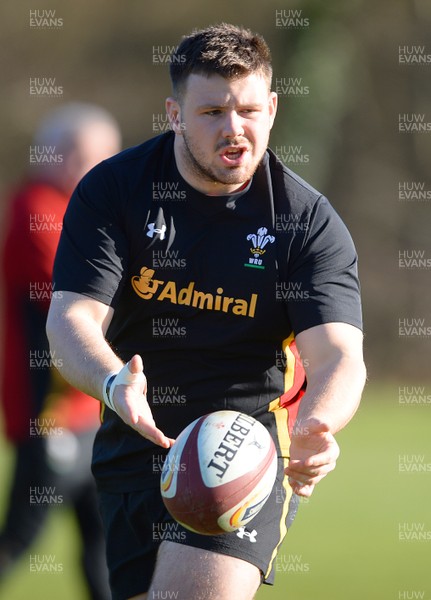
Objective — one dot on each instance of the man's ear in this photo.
(273, 101)
(173, 111)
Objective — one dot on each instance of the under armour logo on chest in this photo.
(152, 229)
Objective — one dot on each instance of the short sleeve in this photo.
(92, 254)
(324, 272)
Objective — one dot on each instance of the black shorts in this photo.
(137, 522)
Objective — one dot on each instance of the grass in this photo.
(60, 542)
(347, 535)
(345, 543)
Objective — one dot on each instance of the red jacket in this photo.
(30, 388)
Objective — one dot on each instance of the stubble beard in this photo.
(203, 171)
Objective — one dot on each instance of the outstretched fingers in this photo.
(131, 402)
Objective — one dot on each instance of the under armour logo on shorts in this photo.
(242, 533)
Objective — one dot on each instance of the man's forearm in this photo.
(333, 361)
(79, 349)
(332, 356)
(333, 393)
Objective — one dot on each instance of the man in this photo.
(50, 424)
(167, 306)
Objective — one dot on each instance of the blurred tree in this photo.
(346, 54)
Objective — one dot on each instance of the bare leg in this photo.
(187, 573)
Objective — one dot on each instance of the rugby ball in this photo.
(219, 473)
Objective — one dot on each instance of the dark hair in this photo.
(223, 49)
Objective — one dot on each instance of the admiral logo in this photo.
(149, 288)
(259, 241)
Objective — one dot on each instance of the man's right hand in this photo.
(131, 404)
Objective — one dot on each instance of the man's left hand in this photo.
(313, 454)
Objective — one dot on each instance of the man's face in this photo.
(222, 129)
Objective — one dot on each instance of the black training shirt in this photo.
(208, 290)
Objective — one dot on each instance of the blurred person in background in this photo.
(50, 424)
